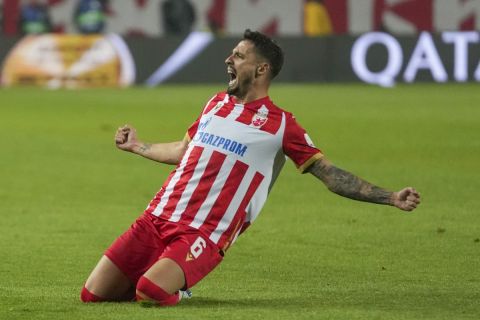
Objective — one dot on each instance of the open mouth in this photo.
(233, 76)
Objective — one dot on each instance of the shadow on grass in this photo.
(262, 303)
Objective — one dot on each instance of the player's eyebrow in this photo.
(238, 53)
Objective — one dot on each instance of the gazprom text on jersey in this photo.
(221, 142)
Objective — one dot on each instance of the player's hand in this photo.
(406, 199)
(126, 138)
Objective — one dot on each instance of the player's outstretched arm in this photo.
(348, 185)
(169, 153)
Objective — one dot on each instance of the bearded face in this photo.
(241, 69)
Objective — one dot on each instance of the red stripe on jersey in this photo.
(229, 189)
(204, 185)
(182, 182)
(218, 98)
(274, 120)
(225, 110)
(247, 114)
(227, 237)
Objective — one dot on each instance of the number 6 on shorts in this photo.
(197, 247)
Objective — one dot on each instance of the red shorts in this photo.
(150, 239)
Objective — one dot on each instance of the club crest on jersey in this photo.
(260, 117)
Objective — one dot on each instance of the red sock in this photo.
(87, 296)
(156, 293)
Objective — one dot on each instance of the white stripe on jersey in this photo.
(169, 188)
(233, 207)
(213, 194)
(236, 112)
(191, 186)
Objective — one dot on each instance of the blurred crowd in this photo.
(177, 16)
(89, 17)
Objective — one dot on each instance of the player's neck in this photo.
(253, 94)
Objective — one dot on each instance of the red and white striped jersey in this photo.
(234, 156)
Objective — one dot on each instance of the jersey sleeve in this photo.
(298, 146)
(192, 130)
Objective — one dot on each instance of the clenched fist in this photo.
(126, 138)
(406, 199)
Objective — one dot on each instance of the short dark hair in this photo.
(267, 48)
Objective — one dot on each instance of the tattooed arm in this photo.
(169, 153)
(348, 185)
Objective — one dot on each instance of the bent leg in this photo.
(129, 256)
(161, 283)
(107, 283)
(185, 261)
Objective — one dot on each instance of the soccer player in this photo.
(225, 167)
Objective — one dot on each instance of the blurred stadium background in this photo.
(152, 41)
(387, 88)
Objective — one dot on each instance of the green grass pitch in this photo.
(66, 193)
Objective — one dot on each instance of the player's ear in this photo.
(262, 68)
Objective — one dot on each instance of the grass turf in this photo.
(66, 193)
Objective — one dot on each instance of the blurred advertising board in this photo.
(69, 61)
(376, 58)
(382, 59)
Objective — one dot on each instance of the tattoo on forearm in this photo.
(144, 147)
(348, 185)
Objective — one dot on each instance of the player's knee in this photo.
(87, 296)
(149, 291)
